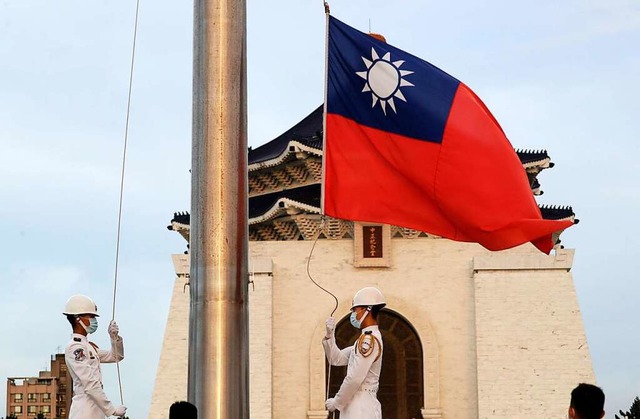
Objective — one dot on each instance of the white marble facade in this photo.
(501, 333)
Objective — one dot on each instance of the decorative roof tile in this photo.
(531, 158)
(307, 196)
(558, 212)
(305, 138)
(307, 132)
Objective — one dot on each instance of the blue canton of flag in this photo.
(383, 87)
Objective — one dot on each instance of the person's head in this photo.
(587, 402)
(82, 314)
(183, 410)
(365, 307)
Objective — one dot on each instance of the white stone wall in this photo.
(430, 283)
(531, 345)
(171, 376)
(462, 307)
(261, 338)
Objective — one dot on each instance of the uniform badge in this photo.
(366, 345)
(79, 354)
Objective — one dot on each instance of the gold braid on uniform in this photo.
(367, 346)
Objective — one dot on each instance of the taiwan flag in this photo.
(406, 144)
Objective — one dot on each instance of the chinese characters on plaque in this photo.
(372, 242)
(372, 245)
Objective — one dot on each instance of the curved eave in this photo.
(175, 226)
(292, 149)
(180, 228)
(287, 206)
(284, 206)
(558, 213)
(538, 164)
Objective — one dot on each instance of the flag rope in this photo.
(322, 221)
(122, 178)
(327, 12)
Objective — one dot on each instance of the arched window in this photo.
(401, 390)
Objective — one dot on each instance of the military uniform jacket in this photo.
(356, 397)
(83, 360)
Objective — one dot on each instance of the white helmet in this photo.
(368, 296)
(80, 304)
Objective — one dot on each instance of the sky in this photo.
(562, 76)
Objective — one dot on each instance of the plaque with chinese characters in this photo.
(372, 245)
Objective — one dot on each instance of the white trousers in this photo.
(83, 407)
(364, 405)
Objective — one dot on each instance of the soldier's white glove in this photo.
(120, 411)
(330, 404)
(113, 330)
(331, 326)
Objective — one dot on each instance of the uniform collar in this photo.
(370, 328)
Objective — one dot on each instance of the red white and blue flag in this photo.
(407, 144)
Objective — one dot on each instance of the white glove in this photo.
(331, 326)
(330, 404)
(120, 410)
(113, 330)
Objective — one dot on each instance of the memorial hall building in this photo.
(468, 333)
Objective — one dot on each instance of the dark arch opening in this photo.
(401, 392)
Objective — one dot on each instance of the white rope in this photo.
(327, 12)
(322, 223)
(122, 176)
(333, 414)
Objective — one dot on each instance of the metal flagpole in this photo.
(218, 380)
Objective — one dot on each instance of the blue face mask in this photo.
(354, 319)
(93, 325)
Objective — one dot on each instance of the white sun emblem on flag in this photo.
(384, 80)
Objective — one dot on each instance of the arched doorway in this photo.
(401, 390)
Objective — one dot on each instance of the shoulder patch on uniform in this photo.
(79, 354)
(77, 340)
(367, 344)
(364, 343)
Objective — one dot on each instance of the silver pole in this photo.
(218, 381)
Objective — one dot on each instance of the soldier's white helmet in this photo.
(368, 296)
(80, 304)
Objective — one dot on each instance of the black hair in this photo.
(588, 401)
(183, 410)
(375, 310)
(72, 319)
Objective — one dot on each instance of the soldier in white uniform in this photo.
(83, 359)
(356, 398)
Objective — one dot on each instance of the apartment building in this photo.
(49, 393)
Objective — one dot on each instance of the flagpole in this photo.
(327, 13)
(218, 371)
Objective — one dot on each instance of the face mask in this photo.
(354, 319)
(93, 325)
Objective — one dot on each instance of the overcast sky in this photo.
(559, 75)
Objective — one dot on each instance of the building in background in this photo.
(468, 333)
(49, 393)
